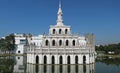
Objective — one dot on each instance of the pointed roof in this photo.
(60, 20)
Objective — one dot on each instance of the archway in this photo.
(76, 59)
(37, 59)
(61, 60)
(68, 60)
(53, 60)
(45, 59)
(84, 59)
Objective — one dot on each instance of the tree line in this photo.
(109, 48)
(7, 43)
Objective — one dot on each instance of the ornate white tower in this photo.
(59, 28)
(60, 20)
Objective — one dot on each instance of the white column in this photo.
(64, 59)
(56, 59)
(33, 58)
(87, 58)
(72, 59)
(80, 61)
(48, 59)
(40, 59)
(27, 58)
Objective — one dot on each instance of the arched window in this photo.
(46, 42)
(67, 42)
(53, 31)
(53, 43)
(60, 42)
(66, 31)
(60, 31)
(73, 42)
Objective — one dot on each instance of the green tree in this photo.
(7, 44)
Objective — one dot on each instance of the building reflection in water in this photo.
(60, 68)
(22, 67)
(20, 64)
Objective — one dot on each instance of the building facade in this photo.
(60, 46)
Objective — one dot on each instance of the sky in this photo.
(101, 17)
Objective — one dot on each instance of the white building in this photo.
(20, 41)
(20, 64)
(59, 46)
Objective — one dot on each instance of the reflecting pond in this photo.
(17, 64)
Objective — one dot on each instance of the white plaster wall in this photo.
(80, 57)
(20, 48)
(87, 59)
(64, 59)
(19, 63)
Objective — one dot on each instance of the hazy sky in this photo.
(101, 17)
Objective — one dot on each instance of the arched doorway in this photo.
(37, 59)
(68, 60)
(76, 59)
(53, 60)
(84, 59)
(45, 59)
(61, 60)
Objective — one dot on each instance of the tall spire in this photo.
(60, 20)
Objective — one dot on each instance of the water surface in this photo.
(17, 64)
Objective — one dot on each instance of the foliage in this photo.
(111, 47)
(6, 64)
(8, 43)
